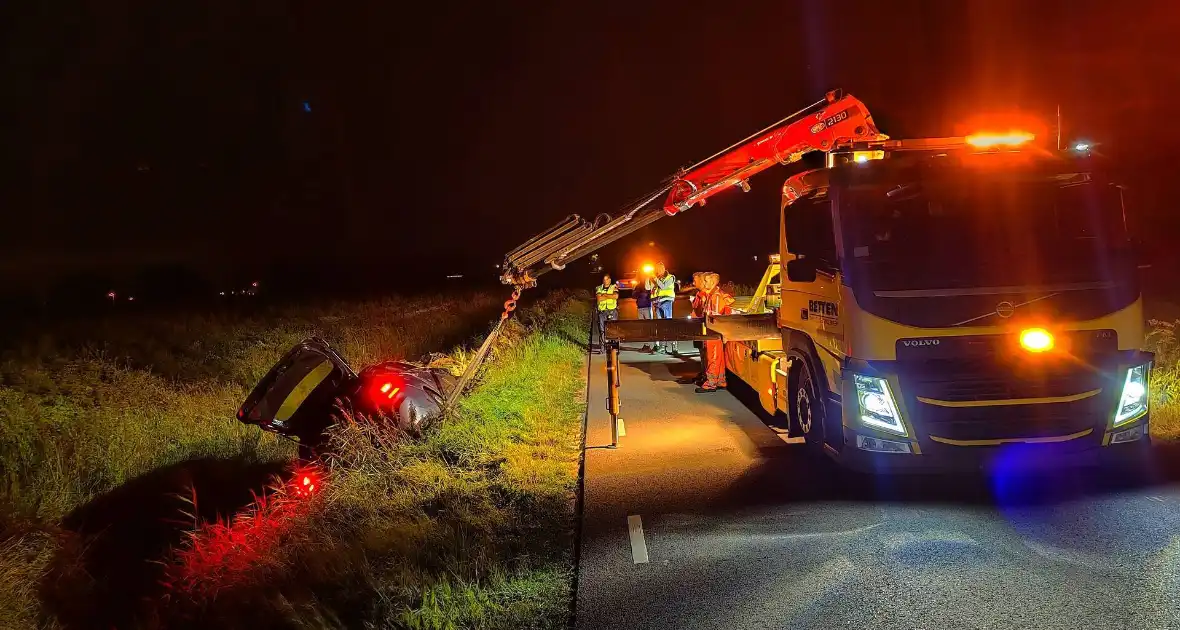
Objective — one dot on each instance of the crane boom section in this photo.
(837, 120)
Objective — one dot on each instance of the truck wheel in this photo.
(807, 410)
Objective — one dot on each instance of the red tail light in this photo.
(389, 391)
(385, 391)
(305, 483)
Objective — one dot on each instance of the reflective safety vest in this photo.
(611, 304)
(716, 303)
(662, 290)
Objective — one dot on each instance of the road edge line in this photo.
(580, 490)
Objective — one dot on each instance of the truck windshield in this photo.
(983, 233)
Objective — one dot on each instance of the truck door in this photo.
(811, 277)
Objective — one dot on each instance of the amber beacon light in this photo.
(1036, 340)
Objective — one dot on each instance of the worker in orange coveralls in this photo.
(698, 284)
(698, 311)
(711, 300)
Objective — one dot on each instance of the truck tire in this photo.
(807, 408)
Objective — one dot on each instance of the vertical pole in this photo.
(1059, 126)
(612, 388)
(615, 347)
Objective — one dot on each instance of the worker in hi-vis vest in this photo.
(663, 294)
(607, 294)
(643, 305)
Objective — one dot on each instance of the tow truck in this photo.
(935, 302)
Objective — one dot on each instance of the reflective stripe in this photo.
(999, 441)
(302, 390)
(607, 305)
(716, 303)
(664, 289)
(1009, 401)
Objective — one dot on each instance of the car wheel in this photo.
(409, 417)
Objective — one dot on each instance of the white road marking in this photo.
(622, 428)
(638, 546)
(1158, 499)
(792, 440)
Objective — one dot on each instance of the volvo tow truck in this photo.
(939, 302)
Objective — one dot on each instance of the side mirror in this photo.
(800, 270)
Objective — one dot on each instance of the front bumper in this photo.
(947, 435)
(1082, 452)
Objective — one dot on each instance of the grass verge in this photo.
(468, 525)
(1165, 380)
(87, 408)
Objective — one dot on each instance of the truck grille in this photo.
(956, 381)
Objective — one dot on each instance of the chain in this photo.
(510, 304)
(482, 353)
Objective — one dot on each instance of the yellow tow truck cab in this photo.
(954, 306)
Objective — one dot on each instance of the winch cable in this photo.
(484, 349)
(565, 242)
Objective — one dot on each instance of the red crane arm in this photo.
(822, 126)
(835, 121)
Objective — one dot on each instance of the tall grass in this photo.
(79, 417)
(1165, 379)
(468, 525)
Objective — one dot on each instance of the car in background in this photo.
(629, 281)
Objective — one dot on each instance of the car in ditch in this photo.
(312, 387)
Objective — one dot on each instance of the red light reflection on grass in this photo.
(228, 553)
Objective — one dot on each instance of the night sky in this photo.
(237, 136)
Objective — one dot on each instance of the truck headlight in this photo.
(877, 407)
(1133, 400)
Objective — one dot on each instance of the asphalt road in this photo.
(707, 518)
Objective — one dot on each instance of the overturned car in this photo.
(312, 386)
